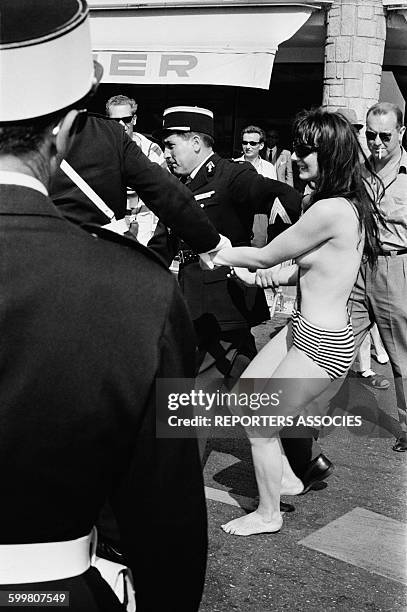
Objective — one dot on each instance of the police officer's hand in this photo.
(243, 274)
(206, 259)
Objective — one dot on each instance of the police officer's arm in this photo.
(259, 192)
(169, 199)
(164, 243)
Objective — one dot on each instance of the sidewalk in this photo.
(344, 547)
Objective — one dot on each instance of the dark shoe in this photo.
(319, 469)
(401, 444)
(377, 381)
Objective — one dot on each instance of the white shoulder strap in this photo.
(87, 190)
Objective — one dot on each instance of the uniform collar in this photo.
(24, 180)
(26, 200)
(205, 172)
(197, 169)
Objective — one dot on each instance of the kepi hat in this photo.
(187, 119)
(45, 57)
(350, 115)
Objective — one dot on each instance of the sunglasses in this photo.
(126, 120)
(384, 136)
(252, 143)
(302, 150)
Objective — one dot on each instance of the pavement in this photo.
(344, 546)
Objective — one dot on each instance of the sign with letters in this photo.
(217, 46)
(138, 67)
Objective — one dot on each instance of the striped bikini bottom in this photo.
(331, 349)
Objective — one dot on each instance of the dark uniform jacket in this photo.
(87, 326)
(230, 193)
(105, 157)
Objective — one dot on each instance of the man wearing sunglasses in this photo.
(381, 294)
(123, 110)
(252, 141)
(81, 348)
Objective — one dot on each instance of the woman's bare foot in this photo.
(252, 523)
(291, 485)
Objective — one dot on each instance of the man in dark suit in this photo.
(105, 157)
(279, 157)
(87, 327)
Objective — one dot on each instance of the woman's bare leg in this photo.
(267, 457)
(264, 366)
(290, 483)
(267, 517)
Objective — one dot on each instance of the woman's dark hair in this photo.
(340, 169)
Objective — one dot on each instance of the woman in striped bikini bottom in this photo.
(332, 349)
(337, 228)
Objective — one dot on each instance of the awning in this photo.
(208, 46)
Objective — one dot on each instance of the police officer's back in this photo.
(87, 327)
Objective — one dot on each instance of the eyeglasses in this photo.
(384, 136)
(252, 143)
(302, 150)
(79, 122)
(126, 120)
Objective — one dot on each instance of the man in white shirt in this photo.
(253, 141)
(123, 109)
(380, 294)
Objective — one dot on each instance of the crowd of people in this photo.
(91, 319)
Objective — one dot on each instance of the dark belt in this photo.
(187, 256)
(392, 253)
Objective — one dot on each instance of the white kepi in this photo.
(45, 57)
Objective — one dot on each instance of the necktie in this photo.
(272, 156)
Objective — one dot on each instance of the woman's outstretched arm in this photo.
(317, 225)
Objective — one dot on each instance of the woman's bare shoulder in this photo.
(338, 207)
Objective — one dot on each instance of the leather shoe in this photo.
(401, 444)
(319, 469)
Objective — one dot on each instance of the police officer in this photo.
(230, 193)
(81, 350)
(109, 162)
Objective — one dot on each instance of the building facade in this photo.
(250, 62)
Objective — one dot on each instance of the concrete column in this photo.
(354, 49)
